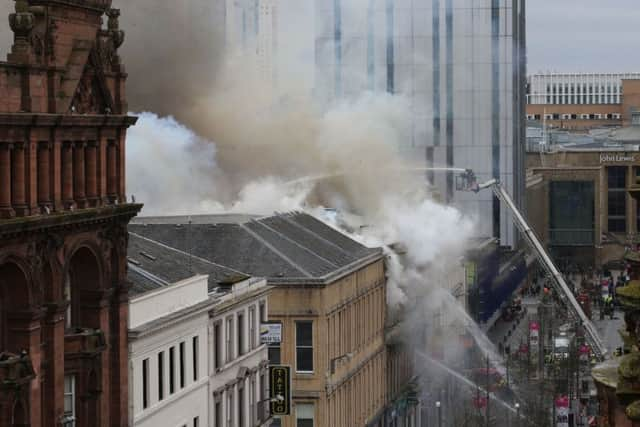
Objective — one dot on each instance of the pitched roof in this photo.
(153, 265)
(285, 247)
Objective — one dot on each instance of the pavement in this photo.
(608, 329)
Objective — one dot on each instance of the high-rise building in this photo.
(461, 64)
(63, 218)
(251, 27)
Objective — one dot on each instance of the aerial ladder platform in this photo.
(557, 280)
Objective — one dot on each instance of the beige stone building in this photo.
(578, 198)
(329, 294)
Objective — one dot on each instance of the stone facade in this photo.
(589, 165)
(347, 384)
(63, 239)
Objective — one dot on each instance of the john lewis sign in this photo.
(621, 158)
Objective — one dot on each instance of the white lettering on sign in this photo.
(605, 158)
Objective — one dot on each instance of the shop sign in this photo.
(280, 389)
(608, 158)
(271, 333)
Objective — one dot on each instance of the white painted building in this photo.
(195, 357)
(576, 88)
(168, 354)
(238, 363)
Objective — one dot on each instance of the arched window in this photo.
(14, 296)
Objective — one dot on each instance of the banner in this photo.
(562, 411)
(270, 333)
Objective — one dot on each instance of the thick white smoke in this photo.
(273, 147)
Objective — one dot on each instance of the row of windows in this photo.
(360, 395)
(574, 99)
(230, 406)
(610, 116)
(177, 371)
(353, 326)
(239, 334)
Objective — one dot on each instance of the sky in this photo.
(583, 35)
(562, 35)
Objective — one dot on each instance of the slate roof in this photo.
(153, 265)
(285, 247)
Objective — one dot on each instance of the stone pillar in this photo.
(79, 174)
(112, 173)
(18, 195)
(44, 175)
(5, 181)
(91, 156)
(67, 175)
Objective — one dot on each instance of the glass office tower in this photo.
(461, 63)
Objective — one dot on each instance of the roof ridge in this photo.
(273, 249)
(190, 255)
(148, 275)
(289, 220)
(296, 243)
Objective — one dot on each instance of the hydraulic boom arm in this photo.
(591, 334)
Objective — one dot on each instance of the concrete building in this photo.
(195, 353)
(578, 196)
(327, 291)
(582, 101)
(251, 26)
(63, 217)
(462, 66)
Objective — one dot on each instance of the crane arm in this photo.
(557, 279)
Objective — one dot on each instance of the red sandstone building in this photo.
(63, 217)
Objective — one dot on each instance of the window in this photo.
(182, 379)
(252, 328)
(304, 346)
(229, 339)
(172, 370)
(217, 343)
(263, 312)
(617, 198)
(195, 347)
(145, 383)
(217, 411)
(304, 414)
(161, 375)
(230, 408)
(196, 421)
(240, 406)
(67, 298)
(274, 353)
(571, 213)
(240, 327)
(69, 419)
(252, 400)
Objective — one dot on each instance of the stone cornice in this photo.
(67, 219)
(66, 120)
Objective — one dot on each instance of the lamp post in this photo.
(439, 406)
(517, 406)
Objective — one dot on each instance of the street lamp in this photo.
(439, 406)
(517, 406)
(333, 361)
